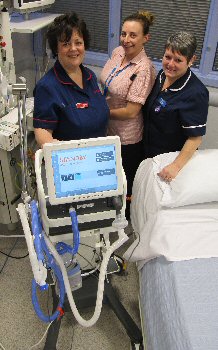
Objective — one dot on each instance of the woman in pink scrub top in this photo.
(127, 79)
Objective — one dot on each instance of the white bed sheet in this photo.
(181, 233)
(179, 304)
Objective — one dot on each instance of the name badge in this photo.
(82, 105)
(162, 102)
(161, 105)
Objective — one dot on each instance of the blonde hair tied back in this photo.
(145, 17)
(148, 15)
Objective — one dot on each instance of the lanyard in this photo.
(111, 76)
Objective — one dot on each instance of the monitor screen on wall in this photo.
(31, 5)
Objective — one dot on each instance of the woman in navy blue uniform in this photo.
(68, 103)
(175, 112)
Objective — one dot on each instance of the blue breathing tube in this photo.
(37, 230)
(42, 250)
(75, 228)
(62, 247)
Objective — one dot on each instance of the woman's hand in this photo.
(131, 111)
(169, 172)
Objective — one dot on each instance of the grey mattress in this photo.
(179, 304)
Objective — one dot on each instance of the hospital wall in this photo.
(210, 140)
(25, 65)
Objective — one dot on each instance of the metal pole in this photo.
(20, 90)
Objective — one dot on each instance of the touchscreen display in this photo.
(79, 171)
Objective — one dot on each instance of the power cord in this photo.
(89, 262)
(9, 254)
(46, 331)
(12, 236)
(126, 263)
(2, 347)
(14, 257)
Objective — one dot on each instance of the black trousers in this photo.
(132, 156)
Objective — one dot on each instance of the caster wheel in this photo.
(120, 264)
(138, 346)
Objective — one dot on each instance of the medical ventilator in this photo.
(84, 184)
(81, 196)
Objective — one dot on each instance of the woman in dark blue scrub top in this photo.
(175, 112)
(68, 103)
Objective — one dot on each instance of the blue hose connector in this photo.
(63, 248)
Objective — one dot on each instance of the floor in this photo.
(20, 328)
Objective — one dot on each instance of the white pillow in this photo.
(197, 181)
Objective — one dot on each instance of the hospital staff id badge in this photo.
(162, 104)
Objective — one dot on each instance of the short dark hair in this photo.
(146, 18)
(183, 42)
(62, 28)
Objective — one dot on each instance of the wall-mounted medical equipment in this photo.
(7, 72)
(31, 5)
(10, 159)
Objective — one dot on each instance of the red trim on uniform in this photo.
(61, 81)
(46, 121)
(90, 76)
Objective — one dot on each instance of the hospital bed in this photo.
(177, 253)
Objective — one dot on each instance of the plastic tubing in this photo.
(121, 240)
(62, 247)
(87, 323)
(41, 248)
(76, 234)
(57, 272)
(38, 274)
(39, 271)
(36, 229)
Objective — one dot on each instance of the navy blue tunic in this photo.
(175, 114)
(71, 112)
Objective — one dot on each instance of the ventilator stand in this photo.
(132, 330)
(84, 300)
